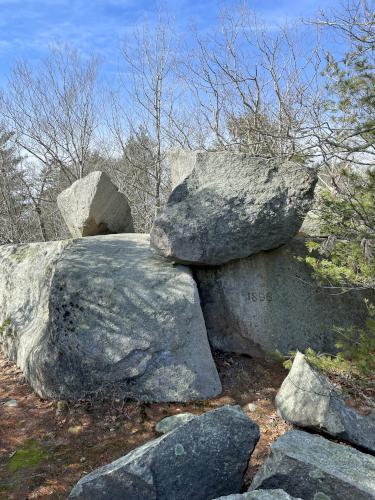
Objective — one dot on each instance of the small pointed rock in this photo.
(308, 399)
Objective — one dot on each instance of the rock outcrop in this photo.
(201, 460)
(104, 315)
(308, 399)
(312, 467)
(270, 301)
(93, 205)
(231, 206)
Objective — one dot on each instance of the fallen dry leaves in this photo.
(78, 437)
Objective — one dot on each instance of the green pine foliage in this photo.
(346, 259)
(358, 346)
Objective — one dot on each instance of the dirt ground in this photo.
(46, 447)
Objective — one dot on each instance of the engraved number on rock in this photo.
(260, 296)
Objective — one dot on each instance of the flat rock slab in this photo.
(104, 316)
(308, 399)
(229, 206)
(269, 301)
(311, 467)
(201, 460)
(93, 205)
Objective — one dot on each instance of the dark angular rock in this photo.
(201, 460)
(312, 468)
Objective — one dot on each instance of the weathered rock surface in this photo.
(170, 423)
(93, 205)
(311, 467)
(308, 399)
(312, 225)
(201, 460)
(231, 206)
(260, 495)
(104, 314)
(269, 301)
(112, 487)
(182, 164)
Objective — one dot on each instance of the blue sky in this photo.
(29, 27)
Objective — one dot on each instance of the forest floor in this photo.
(45, 450)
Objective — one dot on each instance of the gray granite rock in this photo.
(314, 468)
(11, 403)
(93, 205)
(201, 460)
(231, 206)
(104, 315)
(312, 225)
(269, 301)
(170, 423)
(308, 399)
(260, 495)
(182, 164)
(114, 488)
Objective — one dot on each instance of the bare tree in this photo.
(51, 110)
(348, 135)
(256, 91)
(354, 23)
(10, 195)
(143, 118)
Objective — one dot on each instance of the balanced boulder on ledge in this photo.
(103, 315)
(229, 206)
(93, 205)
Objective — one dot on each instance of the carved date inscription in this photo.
(258, 296)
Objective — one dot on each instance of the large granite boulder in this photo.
(308, 399)
(230, 206)
(93, 205)
(201, 460)
(269, 301)
(104, 315)
(312, 468)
